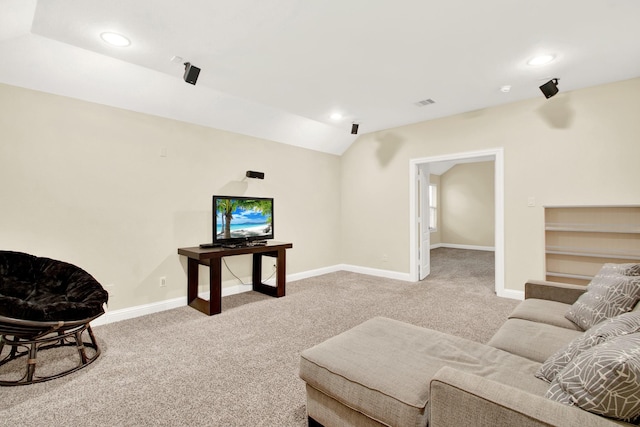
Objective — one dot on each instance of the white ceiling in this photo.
(277, 69)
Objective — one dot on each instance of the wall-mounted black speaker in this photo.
(254, 174)
(550, 88)
(191, 73)
(354, 129)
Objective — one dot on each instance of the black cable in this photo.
(239, 279)
(232, 273)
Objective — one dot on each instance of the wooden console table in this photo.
(212, 258)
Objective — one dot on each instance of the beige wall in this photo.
(579, 147)
(86, 183)
(468, 205)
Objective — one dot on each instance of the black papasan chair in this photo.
(45, 304)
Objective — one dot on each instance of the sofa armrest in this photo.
(459, 399)
(553, 291)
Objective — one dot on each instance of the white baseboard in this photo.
(139, 310)
(511, 294)
(470, 247)
(155, 307)
(312, 273)
(395, 275)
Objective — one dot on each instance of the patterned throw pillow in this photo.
(607, 296)
(628, 269)
(627, 323)
(604, 380)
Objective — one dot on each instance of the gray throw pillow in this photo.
(627, 323)
(607, 296)
(627, 269)
(604, 380)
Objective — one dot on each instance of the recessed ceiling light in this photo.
(541, 60)
(336, 116)
(505, 89)
(115, 39)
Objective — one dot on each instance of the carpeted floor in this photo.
(240, 368)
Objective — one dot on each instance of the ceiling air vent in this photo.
(428, 101)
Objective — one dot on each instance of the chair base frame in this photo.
(26, 338)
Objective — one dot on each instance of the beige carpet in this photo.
(239, 368)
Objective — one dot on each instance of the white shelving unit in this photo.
(579, 239)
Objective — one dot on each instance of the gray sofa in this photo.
(389, 373)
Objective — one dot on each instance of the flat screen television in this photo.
(242, 220)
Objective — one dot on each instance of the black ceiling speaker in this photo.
(254, 174)
(550, 88)
(191, 73)
(354, 129)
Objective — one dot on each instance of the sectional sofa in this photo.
(568, 355)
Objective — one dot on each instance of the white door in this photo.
(423, 221)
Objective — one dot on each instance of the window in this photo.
(433, 207)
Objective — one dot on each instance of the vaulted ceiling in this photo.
(279, 69)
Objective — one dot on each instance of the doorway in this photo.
(419, 244)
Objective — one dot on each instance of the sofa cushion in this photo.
(627, 323)
(533, 340)
(544, 311)
(382, 368)
(604, 379)
(607, 296)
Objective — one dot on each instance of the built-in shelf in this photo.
(595, 228)
(580, 239)
(591, 253)
(569, 276)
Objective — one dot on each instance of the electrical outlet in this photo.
(385, 258)
(163, 282)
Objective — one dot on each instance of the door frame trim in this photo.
(498, 157)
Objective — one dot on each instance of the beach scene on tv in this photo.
(243, 218)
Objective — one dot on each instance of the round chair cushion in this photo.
(43, 289)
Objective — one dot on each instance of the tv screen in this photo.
(242, 219)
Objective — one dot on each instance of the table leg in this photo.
(214, 305)
(257, 272)
(215, 286)
(281, 266)
(192, 280)
(281, 278)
